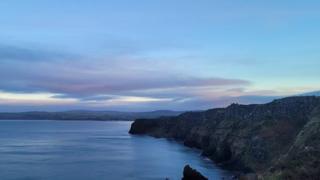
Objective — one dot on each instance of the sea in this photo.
(93, 150)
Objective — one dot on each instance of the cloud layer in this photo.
(38, 79)
(104, 81)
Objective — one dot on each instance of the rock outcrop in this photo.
(277, 140)
(192, 174)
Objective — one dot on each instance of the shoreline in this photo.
(233, 173)
(265, 140)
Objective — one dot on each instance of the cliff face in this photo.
(302, 160)
(277, 140)
(192, 174)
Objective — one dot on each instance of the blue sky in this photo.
(147, 55)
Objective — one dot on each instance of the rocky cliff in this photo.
(192, 174)
(277, 140)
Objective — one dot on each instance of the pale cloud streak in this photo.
(35, 77)
(117, 82)
(8, 98)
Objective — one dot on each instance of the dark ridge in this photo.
(192, 174)
(277, 140)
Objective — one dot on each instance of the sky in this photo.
(145, 55)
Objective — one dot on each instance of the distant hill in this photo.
(85, 115)
(314, 93)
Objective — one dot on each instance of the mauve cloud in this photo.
(104, 79)
(94, 76)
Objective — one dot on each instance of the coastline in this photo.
(257, 140)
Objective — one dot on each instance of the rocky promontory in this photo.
(277, 140)
(192, 174)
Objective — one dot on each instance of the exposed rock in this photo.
(302, 161)
(249, 176)
(192, 174)
(278, 140)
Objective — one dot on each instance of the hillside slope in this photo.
(278, 140)
(85, 115)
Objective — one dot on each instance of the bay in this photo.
(82, 150)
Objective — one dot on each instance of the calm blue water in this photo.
(83, 150)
